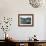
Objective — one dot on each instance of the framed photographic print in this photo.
(25, 19)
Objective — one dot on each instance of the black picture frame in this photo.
(25, 20)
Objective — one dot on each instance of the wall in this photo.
(11, 8)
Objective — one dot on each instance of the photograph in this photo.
(25, 19)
